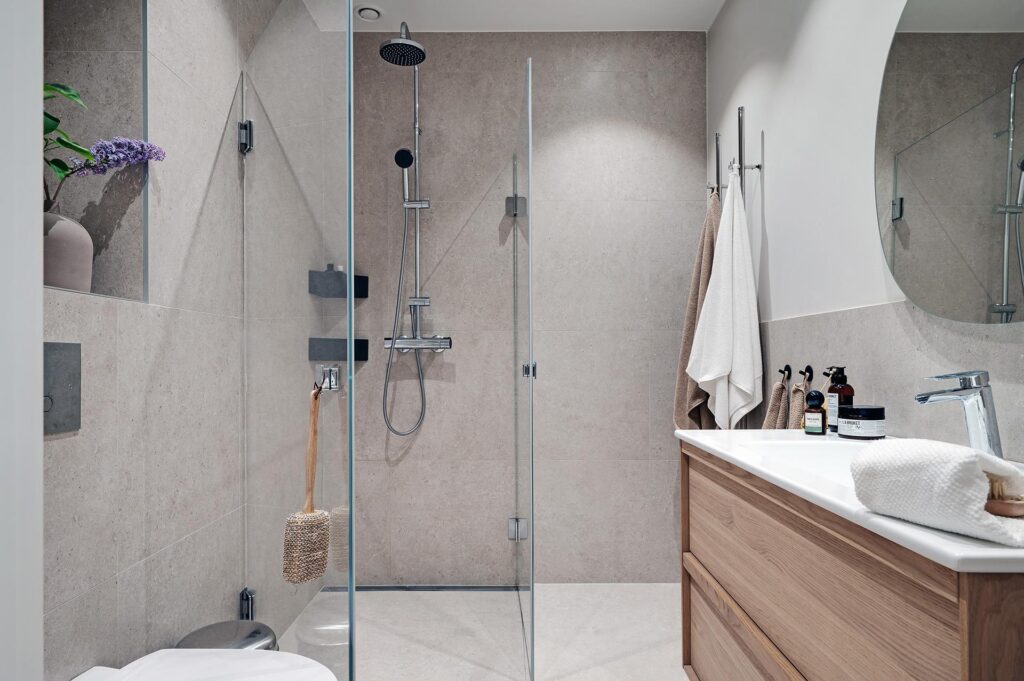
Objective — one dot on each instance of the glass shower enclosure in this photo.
(442, 546)
(432, 535)
(431, 562)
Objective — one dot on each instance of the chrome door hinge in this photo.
(246, 140)
(247, 604)
(896, 209)
(518, 529)
(529, 370)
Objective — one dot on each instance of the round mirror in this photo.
(950, 158)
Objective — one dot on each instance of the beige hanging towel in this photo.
(798, 402)
(777, 417)
(691, 406)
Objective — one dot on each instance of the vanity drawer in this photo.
(715, 654)
(834, 609)
(725, 644)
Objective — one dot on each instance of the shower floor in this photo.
(585, 632)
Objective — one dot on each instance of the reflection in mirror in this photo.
(96, 156)
(948, 182)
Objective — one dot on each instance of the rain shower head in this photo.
(403, 50)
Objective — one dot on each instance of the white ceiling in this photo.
(963, 16)
(539, 15)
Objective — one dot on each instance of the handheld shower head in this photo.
(404, 158)
(403, 50)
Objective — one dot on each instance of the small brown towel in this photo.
(691, 405)
(797, 404)
(778, 407)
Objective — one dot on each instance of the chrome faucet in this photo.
(975, 394)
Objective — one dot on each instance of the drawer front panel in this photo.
(836, 612)
(716, 655)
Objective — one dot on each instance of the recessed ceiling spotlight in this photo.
(368, 13)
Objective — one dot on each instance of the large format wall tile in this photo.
(102, 25)
(284, 67)
(151, 605)
(179, 410)
(590, 265)
(84, 470)
(189, 584)
(279, 379)
(448, 522)
(82, 634)
(283, 239)
(195, 229)
(607, 521)
(586, 411)
(252, 18)
(198, 41)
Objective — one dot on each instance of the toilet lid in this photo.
(224, 665)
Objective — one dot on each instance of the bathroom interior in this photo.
(538, 341)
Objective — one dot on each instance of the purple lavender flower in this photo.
(116, 153)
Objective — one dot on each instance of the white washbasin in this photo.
(826, 457)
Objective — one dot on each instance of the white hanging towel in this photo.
(725, 359)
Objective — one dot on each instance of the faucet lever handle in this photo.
(968, 379)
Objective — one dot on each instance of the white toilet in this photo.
(214, 665)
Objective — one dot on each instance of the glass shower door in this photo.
(442, 555)
(518, 205)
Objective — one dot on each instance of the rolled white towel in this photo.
(939, 485)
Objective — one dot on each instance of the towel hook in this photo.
(808, 373)
(787, 371)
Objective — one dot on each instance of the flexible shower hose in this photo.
(391, 350)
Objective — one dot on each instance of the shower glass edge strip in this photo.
(532, 646)
(350, 336)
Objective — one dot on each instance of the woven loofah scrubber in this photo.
(307, 534)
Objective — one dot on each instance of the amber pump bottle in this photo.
(840, 394)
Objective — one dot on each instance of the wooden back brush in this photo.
(307, 534)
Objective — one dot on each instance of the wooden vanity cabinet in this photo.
(775, 587)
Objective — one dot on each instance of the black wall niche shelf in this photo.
(336, 349)
(332, 283)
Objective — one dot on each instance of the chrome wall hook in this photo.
(330, 377)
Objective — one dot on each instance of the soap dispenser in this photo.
(840, 394)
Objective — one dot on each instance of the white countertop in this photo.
(818, 470)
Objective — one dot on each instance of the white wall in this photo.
(21, 347)
(809, 73)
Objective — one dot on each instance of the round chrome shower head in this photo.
(403, 50)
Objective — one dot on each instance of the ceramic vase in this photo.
(67, 253)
